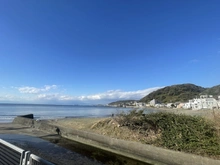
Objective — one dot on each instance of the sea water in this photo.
(9, 111)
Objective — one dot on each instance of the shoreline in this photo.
(79, 130)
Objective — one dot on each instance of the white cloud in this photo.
(105, 97)
(7, 97)
(13, 98)
(56, 96)
(120, 95)
(34, 90)
(47, 94)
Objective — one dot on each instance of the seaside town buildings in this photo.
(203, 102)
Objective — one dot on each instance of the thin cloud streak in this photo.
(34, 90)
(46, 94)
(106, 96)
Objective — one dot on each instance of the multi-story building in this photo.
(204, 102)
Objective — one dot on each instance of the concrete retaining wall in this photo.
(152, 154)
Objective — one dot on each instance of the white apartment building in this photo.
(204, 102)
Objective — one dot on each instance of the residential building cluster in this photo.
(203, 102)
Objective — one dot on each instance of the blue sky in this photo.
(98, 51)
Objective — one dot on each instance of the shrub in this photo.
(176, 131)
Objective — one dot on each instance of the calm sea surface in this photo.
(9, 111)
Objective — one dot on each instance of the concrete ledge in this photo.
(24, 121)
(149, 153)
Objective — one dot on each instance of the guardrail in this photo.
(35, 160)
(13, 155)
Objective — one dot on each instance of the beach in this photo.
(105, 133)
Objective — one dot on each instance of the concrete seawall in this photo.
(146, 153)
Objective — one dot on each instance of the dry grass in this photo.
(216, 120)
(110, 127)
(192, 134)
(113, 127)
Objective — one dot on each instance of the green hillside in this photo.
(215, 91)
(175, 93)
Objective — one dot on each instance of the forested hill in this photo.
(122, 102)
(175, 93)
(215, 91)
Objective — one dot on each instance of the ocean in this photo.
(9, 111)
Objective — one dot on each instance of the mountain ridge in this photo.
(177, 93)
(174, 93)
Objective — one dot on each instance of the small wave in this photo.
(6, 119)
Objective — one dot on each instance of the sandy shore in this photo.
(84, 124)
(87, 123)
